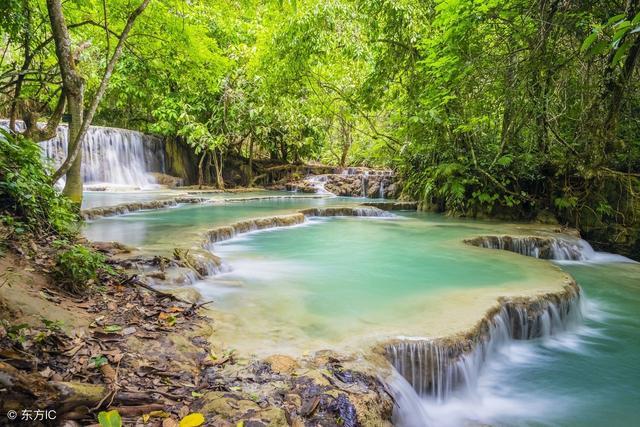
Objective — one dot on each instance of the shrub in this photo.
(78, 267)
(27, 198)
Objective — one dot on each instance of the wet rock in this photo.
(225, 233)
(124, 208)
(534, 246)
(345, 411)
(202, 262)
(282, 364)
(238, 406)
(167, 180)
(546, 217)
(188, 294)
(300, 186)
(394, 206)
(346, 211)
(111, 248)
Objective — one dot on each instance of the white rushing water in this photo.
(440, 385)
(318, 182)
(111, 157)
(554, 248)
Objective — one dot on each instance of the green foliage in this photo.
(27, 199)
(78, 268)
(98, 361)
(110, 419)
(483, 107)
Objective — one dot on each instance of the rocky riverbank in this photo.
(350, 182)
(154, 358)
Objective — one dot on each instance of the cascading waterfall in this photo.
(362, 211)
(381, 195)
(365, 183)
(110, 156)
(555, 248)
(437, 368)
(318, 182)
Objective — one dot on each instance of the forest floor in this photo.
(152, 357)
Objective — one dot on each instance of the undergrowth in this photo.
(28, 201)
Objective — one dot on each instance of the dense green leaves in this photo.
(493, 106)
(27, 199)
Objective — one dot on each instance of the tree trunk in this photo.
(250, 174)
(201, 170)
(346, 141)
(73, 85)
(73, 184)
(217, 164)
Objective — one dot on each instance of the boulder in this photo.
(282, 364)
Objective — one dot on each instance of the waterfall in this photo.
(110, 156)
(436, 368)
(318, 182)
(365, 183)
(381, 188)
(555, 248)
(362, 211)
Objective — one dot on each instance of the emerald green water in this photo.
(163, 229)
(353, 269)
(344, 283)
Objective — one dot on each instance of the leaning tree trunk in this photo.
(73, 184)
(201, 170)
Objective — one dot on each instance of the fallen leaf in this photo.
(192, 420)
(110, 419)
(46, 372)
(310, 406)
(169, 422)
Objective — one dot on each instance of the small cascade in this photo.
(350, 182)
(110, 156)
(318, 182)
(365, 183)
(555, 248)
(124, 208)
(220, 234)
(437, 368)
(362, 211)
